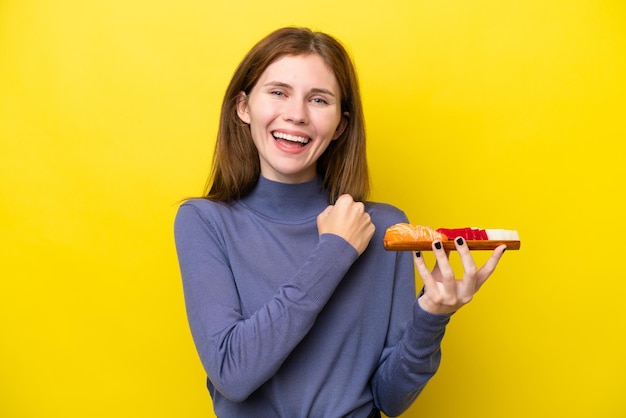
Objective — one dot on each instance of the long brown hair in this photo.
(343, 166)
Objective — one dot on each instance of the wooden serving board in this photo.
(449, 245)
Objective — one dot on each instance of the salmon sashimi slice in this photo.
(405, 232)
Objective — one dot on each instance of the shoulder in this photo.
(384, 214)
(202, 205)
(201, 210)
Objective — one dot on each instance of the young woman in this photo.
(295, 308)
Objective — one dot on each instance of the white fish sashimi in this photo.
(502, 234)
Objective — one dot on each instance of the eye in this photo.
(277, 93)
(319, 100)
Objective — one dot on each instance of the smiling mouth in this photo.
(291, 138)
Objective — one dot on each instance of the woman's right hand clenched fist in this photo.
(349, 220)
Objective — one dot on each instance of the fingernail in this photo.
(438, 245)
(418, 253)
(459, 240)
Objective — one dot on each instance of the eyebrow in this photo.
(285, 85)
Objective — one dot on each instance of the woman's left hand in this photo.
(443, 293)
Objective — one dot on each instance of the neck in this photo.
(287, 202)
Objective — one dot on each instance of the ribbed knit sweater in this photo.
(288, 323)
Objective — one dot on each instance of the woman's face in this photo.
(294, 113)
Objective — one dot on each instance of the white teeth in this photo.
(292, 138)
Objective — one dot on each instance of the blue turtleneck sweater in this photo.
(289, 323)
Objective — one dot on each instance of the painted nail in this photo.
(459, 240)
(438, 245)
(418, 253)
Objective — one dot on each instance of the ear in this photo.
(242, 107)
(343, 124)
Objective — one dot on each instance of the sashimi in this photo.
(406, 237)
(409, 232)
(480, 234)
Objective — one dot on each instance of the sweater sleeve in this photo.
(240, 353)
(410, 362)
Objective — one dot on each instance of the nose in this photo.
(296, 112)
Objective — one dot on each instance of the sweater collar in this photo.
(287, 202)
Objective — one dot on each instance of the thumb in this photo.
(326, 212)
(321, 219)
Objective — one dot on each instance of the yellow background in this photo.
(480, 113)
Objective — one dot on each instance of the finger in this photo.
(436, 272)
(346, 206)
(469, 266)
(470, 272)
(445, 270)
(327, 211)
(489, 267)
(422, 270)
(344, 200)
(322, 220)
(441, 255)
